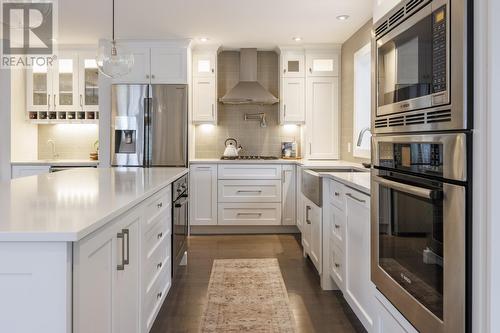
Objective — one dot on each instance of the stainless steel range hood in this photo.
(248, 90)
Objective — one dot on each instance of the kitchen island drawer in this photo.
(336, 193)
(158, 203)
(249, 171)
(249, 190)
(156, 231)
(249, 214)
(154, 296)
(337, 271)
(154, 261)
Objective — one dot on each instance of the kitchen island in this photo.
(85, 250)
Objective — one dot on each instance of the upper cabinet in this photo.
(322, 63)
(292, 63)
(156, 62)
(65, 92)
(204, 85)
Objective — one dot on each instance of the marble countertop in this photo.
(357, 180)
(66, 206)
(57, 162)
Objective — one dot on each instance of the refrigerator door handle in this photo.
(146, 132)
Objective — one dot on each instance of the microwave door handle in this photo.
(410, 189)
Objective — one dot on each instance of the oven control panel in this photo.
(439, 56)
(421, 158)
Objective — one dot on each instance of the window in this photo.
(362, 102)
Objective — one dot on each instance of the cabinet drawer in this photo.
(337, 270)
(249, 171)
(249, 214)
(154, 261)
(249, 190)
(154, 296)
(336, 194)
(337, 224)
(154, 234)
(158, 203)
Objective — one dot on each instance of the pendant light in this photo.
(111, 62)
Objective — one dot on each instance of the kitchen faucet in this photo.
(52, 144)
(362, 134)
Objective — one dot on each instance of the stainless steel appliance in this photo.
(180, 222)
(420, 230)
(149, 125)
(421, 52)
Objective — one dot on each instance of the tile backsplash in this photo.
(255, 140)
(73, 141)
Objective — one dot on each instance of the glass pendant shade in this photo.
(113, 63)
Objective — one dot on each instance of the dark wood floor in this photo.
(315, 310)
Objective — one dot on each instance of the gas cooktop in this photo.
(249, 157)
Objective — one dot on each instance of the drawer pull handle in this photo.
(121, 266)
(258, 214)
(159, 205)
(158, 266)
(337, 226)
(337, 265)
(160, 235)
(353, 197)
(337, 194)
(158, 296)
(308, 208)
(249, 191)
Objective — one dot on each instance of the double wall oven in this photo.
(421, 175)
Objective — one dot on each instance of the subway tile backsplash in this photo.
(73, 141)
(255, 140)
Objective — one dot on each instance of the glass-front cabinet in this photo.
(67, 91)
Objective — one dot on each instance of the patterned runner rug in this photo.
(247, 295)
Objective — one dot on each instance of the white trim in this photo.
(359, 152)
(5, 115)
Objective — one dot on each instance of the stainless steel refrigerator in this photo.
(149, 125)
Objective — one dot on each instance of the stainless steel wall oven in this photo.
(420, 60)
(420, 227)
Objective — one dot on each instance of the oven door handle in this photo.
(410, 189)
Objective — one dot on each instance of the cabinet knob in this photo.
(337, 226)
(158, 296)
(147, 76)
(284, 70)
(153, 76)
(337, 194)
(160, 235)
(337, 265)
(159, 265)
(213, 70)
(310, 70)
(159, 205)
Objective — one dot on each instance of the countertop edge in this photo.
(353, 185)
(65, 236)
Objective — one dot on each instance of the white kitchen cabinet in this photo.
(300, 200)
(359, 290)
(106, 278)
(322, 117)
(249, 171)
(204, 100)
(293, 107)
(88, 77)
(288, 208)
(28, 170)
(155, 62)
(244, 190)
(292, 63)
(322, 63)
(168, 65)
(249, 214)
(203, 194)
(388, 318)
(204, 63)
(312, 233)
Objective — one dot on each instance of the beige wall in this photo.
(354, 43)
(209, 140)
(73, 141)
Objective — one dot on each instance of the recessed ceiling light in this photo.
(297, 39)
(342, 17)
(203, 39)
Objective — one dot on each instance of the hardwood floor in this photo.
(315, 310)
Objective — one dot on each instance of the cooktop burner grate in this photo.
(249, 157)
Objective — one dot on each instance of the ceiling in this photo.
(232, 23)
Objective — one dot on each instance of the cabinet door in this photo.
(359, 290)
(292, 64)
(88, 82)
(204, 64)
(203, 194)
(307, 224)
(39, 88)
(300, 202)
(322, 63)
(337, 226)
(288, 196)
(65, 83)
(140, 72)
(293, 107)
(322, 120)
(204, 100)
(316, 237)
(168, 65)
(126, 302)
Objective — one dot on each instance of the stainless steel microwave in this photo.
(420, 54)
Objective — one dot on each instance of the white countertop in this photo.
(57, 162)
(66, 206)
(357, 180)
